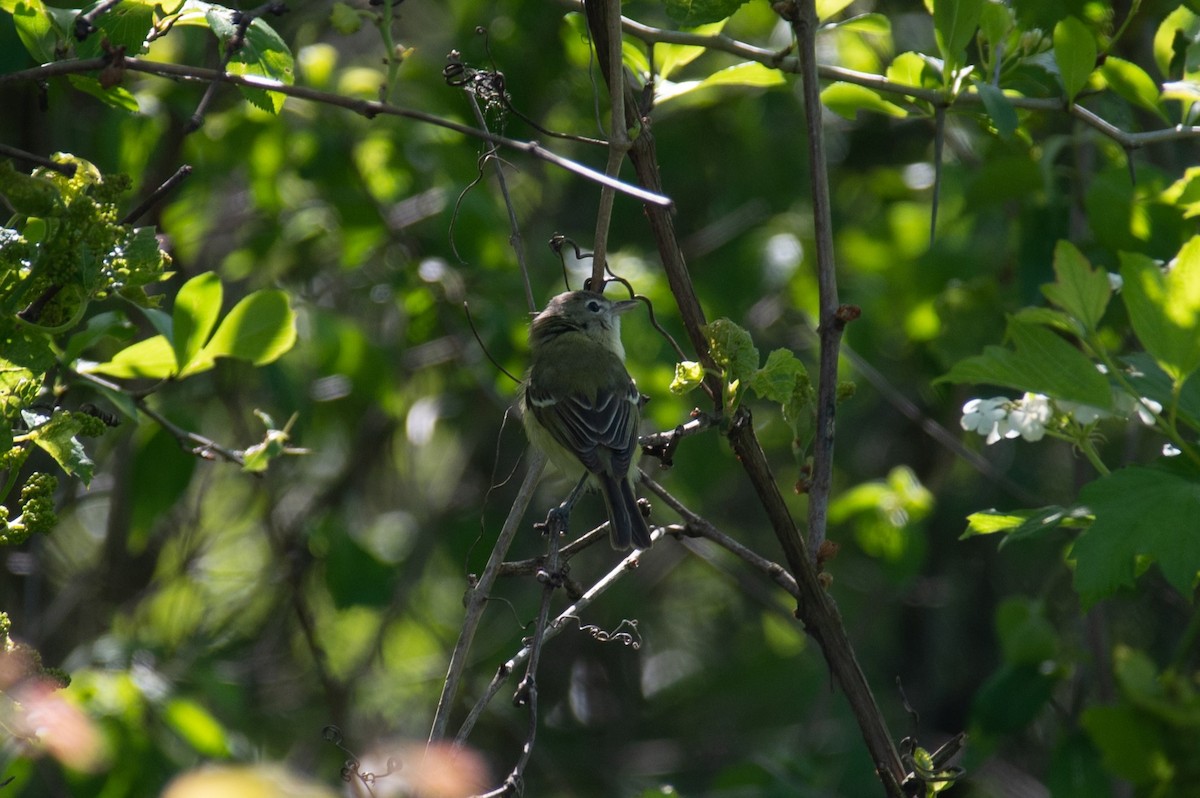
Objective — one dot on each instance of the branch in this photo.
(608, 50)
(785, 62)
(831, 319)
(367, 108)
(627, 564)
(477, 595)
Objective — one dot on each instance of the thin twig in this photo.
(560, 622)
(477, 595)
(67, 169)
(696, 524)
(367, 108)
(157, 195)
(514, 236)
(785, 62)
(609, 12)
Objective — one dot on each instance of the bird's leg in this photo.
(556, 519)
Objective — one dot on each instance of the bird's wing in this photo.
(588, 427)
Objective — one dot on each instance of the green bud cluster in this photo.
(74, 246)
(37, 511)
(90, 426)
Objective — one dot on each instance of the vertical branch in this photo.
(815, 608)
(477, 596)
(608, 50)
(832, 317)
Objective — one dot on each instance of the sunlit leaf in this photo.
(1132, 83)
(670, 58)
(847, 99)
(1165, 309)
(195, 314)
(259, 329)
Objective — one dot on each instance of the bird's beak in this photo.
(625, 305)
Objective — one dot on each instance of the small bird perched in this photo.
(580, 406)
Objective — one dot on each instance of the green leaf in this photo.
(260, 329)
(750, 73)
(868, 24)
(196, 309)
(263, 53)
(153, 358)
(1042, 363)
(995, 21)
(912, 69)
(1185, 192)
(1024, 524)
(1002, 112)
(1078, 289)
(55, 435)
(670, 58)
(778, 379)
(690, 13)
(125, 25)
(37, 27)
(1141, 511)
(954, 23)
(196, 727)
(1165, 310)
(115, 96)
(1183, 25)
(828, 8)
(98, 327)
(732, 349)
(847, 99)
(1075, 53)
(1132, 84)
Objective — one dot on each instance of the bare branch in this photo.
(477, 595)
(367, 108)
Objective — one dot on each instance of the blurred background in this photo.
(206, 614)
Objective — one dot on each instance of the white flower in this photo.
(1029, 416)
(1170, 450)
(988, 417)
(1116, 282)
(1147, 410)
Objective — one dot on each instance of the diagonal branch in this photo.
(367, 108)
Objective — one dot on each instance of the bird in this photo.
(580, 406)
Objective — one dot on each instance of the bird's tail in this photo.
(626, 526)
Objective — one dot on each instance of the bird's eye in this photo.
(594, 306)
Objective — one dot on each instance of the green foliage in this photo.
(260, 329)
(230, 613)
